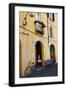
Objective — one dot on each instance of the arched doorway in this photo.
(52, 52)
(39, 53)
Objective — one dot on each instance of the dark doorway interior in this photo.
(52, 52)
(38, 53)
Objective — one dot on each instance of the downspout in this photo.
(47, 28)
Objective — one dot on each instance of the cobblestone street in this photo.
(41, 71)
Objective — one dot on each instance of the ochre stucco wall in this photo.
(28, 38)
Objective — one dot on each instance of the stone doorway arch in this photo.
(39, 53)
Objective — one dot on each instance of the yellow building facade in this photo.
(38, 38)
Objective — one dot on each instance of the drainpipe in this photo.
(47, 28)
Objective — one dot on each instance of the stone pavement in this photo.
(43, 71)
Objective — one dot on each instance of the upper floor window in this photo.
(51, 32)
(37, 19)
(37, 16)
(51, 16)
